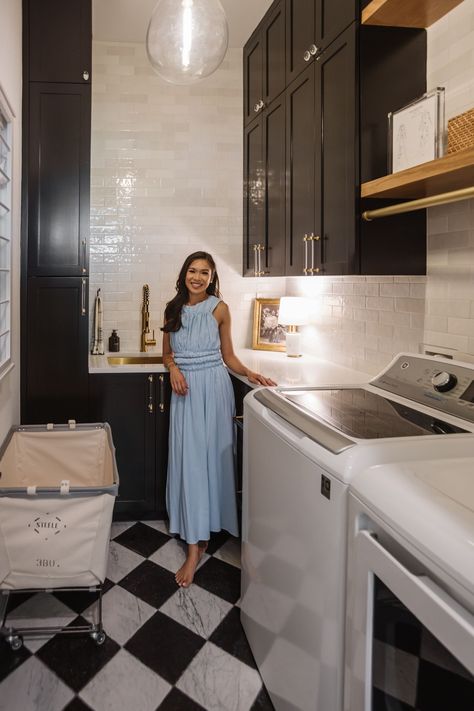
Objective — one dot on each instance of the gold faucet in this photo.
(145, 341)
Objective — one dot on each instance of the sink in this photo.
(134, 360)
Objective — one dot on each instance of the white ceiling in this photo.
(127, 20)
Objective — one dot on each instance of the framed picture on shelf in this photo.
(416, 132)
(267, 334)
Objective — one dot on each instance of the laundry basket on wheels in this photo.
(57, 492)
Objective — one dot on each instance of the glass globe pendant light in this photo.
(187, 39)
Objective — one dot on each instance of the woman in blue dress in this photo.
(200, 490)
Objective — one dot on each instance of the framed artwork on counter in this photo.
(267, 333)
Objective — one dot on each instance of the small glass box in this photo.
(416, 132)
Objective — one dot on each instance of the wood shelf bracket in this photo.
(420, 204)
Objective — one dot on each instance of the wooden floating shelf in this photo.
(406, 13)
(452, 172)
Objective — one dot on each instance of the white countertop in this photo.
(306, 370)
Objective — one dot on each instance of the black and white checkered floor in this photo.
(166, 648)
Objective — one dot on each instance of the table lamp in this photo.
(293, 312)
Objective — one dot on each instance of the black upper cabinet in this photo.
(311, 25)
(302, 248)
(56, 361)
(264, 192)
(321, 165)
(264, 63)
(58, 179)
(337, 164)
(60, 40)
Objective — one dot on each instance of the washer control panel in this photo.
(434, 382)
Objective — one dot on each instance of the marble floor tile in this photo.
(122, 614)
(172, 556)
(151, 583)
(219, 578)
(158, 526)
(119, 527)
(142, 539)
(124, 684)
(230, 636)
(76, 659)
(197, 609)
(165, 646)
(230, 552)
(220, 682)
(41, 610)
(121, 561)
(33, 687)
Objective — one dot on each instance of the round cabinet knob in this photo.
(256, 107)
(313, 50)
(85, 75)
(307, 56)
(443, 381)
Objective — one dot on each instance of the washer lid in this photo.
(357, 412)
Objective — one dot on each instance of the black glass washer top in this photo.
(360, 413)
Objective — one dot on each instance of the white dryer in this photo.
(410, 602)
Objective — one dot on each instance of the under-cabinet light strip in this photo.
(420, 204)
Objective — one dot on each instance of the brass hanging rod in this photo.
(411, 205)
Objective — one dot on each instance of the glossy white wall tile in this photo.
(166, 181)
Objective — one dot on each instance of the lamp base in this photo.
(293, 345)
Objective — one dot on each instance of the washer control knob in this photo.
(443, 381)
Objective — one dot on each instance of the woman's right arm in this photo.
(178, 381)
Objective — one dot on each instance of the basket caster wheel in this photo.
(98, 637)
(15, 642)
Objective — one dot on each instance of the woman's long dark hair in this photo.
(174, 307)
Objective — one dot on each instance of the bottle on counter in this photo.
(114, 342)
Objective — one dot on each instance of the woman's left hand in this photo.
(259, 379)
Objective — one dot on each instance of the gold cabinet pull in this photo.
(161, 378)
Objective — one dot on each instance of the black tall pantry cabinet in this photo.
(56, 203)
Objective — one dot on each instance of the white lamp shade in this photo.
(293, 311)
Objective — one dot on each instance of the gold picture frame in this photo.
(267, 333)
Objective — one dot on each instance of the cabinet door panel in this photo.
(274, 54)
(336, 161)
(274, 148)
(254, 193)
(300, 34)
(58, 179)
(332, 17)
(60, 40)
(253, 70)
(122, 400)
(300, 151)
(56, 375)
(163, 399)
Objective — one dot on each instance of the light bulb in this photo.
(187, 39)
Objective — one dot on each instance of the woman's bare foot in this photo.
(184, 576)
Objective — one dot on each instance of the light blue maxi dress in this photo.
(200, 489)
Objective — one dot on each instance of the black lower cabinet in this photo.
(55, 351)
(137, 408)
(240, 391)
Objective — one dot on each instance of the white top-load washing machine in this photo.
(410, 601)
(302, 447)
